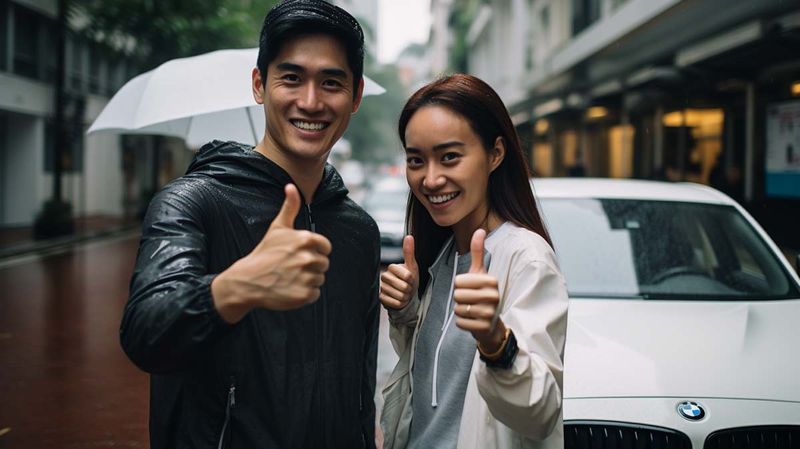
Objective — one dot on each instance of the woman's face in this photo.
(448, 168)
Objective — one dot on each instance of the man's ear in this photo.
(258, 86)
(497, 154)
(359, 95)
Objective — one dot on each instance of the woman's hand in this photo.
(400, 281)
(477, 299)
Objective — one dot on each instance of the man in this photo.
(254, 299)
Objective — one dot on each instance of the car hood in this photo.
(637, 348)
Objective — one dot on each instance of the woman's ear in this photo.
(497, 154)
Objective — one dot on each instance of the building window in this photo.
(49, 49)
(72, 156)
(615, 4)
(26, 42)
(4, 31)
(695, 139)
(95, 69)
(75, 74)
(584, 13)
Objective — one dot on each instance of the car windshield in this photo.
(612, 248)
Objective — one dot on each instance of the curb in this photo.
(60, 243)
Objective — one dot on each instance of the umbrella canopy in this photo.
(198, 99)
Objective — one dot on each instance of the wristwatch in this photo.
(507, 353)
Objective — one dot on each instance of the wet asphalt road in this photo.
(64, 380)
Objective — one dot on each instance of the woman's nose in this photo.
(433, 178)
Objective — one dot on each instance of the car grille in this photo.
(613, 435)
(762, 437)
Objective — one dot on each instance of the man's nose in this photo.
(310, 99)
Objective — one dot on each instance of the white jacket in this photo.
(515, 408)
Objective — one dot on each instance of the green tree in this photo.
(373, 129)
(153, 31)
(460, 21)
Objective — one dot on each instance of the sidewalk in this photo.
(19, 241)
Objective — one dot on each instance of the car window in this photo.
(393, 201)
(662, 249)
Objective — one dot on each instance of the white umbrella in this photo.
(198, 99)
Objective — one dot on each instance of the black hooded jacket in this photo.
(298, 379)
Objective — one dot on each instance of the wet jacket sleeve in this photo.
(528, 397)
(370, 366)
(170, 315)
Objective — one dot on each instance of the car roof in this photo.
(628, 189)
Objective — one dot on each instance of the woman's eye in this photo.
(450, 157)
(414, 161)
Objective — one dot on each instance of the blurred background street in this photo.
(701, 91)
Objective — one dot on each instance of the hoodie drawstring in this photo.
(448, 318)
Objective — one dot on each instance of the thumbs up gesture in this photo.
(400, 281)
(477, 299)
(284, 271)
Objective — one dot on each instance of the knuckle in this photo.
(304, 237)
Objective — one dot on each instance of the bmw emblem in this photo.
(691, 410)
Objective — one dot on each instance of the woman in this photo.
(478, 309)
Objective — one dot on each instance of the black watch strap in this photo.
(506, 359)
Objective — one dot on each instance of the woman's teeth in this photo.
(438, 199)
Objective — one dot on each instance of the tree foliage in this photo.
(153, 31)
(373, 129)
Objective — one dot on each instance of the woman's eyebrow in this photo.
(438, 146)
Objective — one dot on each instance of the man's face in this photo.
(308, 98)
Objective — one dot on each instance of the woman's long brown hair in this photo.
(510, 194)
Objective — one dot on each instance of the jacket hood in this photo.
(236, 164)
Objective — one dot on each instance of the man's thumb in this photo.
(476, 251)
(409, 260)
(289, 210)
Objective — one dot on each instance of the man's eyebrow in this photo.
(330, 71)
(338, 73)
(438, 146)
(290, 67)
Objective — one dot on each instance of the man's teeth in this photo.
(437, 199)
(309, 126)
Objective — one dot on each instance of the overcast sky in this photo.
(401, 22)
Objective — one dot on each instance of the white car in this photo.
(684, 319)
(386, 203)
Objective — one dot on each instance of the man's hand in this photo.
(400, 281)
(283, 272)
(477, 298)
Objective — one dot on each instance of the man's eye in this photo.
(331, 83)
(291, 77)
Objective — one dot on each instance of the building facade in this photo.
(684, 90)
(103, 175)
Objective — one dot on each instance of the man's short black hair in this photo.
(291, 18)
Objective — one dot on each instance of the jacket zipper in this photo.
(231, 404)
(319, 318)
(311, 219)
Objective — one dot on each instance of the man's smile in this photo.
(308, 125)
